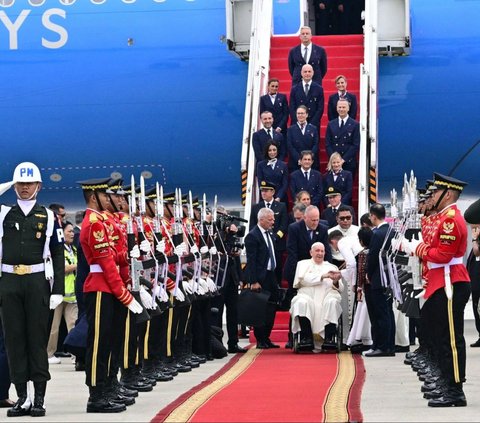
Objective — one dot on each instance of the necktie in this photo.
(306, 90)
(302, 127)
(269, 132)
(306, 175)
(305, 55)
(334, 211)
(310, 233)
(270, 252)
(342, 123)
(268, 205)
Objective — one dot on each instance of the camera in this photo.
(233, 240)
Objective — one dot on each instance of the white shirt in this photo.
(352, 231)
(340, 121)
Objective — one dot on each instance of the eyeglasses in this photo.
(345, 217)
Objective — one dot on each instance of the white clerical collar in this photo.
(26, 205)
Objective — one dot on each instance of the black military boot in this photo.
(130, 381)
(452, 396)
(113, 394)
(20, 408)
(99, 403)
(38, 407)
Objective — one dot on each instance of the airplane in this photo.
(120, 87)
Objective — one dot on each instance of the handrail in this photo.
(258, 69)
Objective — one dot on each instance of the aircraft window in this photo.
(129, 1)
(67, 2)
(98, 1)
(36, 2)
(6, 3)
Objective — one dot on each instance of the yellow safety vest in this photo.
(70, 258)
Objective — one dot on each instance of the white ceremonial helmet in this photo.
(26, 172)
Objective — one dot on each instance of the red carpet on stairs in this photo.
(344, 55)
(276, 385)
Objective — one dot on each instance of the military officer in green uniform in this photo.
(31, 283)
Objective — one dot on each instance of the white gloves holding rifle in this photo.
(55, 301)
(135, 307)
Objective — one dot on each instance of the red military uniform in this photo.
(97, 247)
(446, 245)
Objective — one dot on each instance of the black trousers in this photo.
(228, 299)
(4, 372)
(447, 327)
(155, 336)
(100, 308)
(201, 333)
(381, 317)
(262, 333)
(475, 298)
(118, 337)
(24, 308)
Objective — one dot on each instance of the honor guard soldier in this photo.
(102, 288)
(31, 283)
(447, 290)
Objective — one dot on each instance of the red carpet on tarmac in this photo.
(275, 385)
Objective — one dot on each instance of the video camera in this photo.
(233, 240)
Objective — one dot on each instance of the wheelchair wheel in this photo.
(295, 344)
(339, 334)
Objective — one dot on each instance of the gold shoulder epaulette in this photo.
(93, 217)
(451, 213)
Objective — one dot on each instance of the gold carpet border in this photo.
(186, 410)
(336, 404)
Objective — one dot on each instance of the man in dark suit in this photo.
(342, 93)
(301, 236)
(343, 136)
(260, 272)
(310, 94)
(379, 305)
(307, 53)
(279, 231)
(266, 134)
(334, 198)
(300, 137)
(307, 179)
(276, 103)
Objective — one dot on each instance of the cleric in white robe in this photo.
(318, 298)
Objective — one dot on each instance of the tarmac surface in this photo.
(391, 392)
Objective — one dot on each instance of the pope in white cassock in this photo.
(318, 298)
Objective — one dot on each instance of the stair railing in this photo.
(258, 69)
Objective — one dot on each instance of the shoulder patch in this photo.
(93, 218)
(451, 213)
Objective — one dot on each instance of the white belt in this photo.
(455, 260)
(23, 269)
(95, 268)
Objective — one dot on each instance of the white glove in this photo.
(161, 246)
(211, 285)
(410, 246)
(213, 250)
(180, 249)
(180, 297)
(135, 252)
(204, 249)
(145, 246)
(135, 307)
(203, 286)
(187, 288)
(194, 249)
(163, 296)
(146, 298)
(55, 301)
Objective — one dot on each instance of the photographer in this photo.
(230, 243)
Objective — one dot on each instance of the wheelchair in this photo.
(332, 344)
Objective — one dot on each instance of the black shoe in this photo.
(476, 343)
(6, 403)
(448, 401)
(305, 342)
(102, 405)
(236, 349)
(62, 354)
(79, 366)
(121, 399)
(262, 346)
(271, 344)
(379, 353)
(122, 390)
(200, 359)
(400, 349)
(17, 410)
(289, 345)
(136, 385)
(38, 408)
